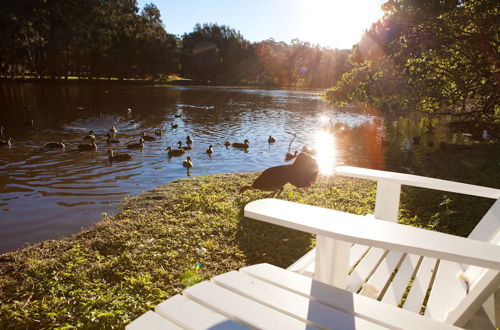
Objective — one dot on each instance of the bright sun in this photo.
(337, 22)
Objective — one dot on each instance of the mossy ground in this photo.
(108, 275)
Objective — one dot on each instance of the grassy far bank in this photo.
(110, 274)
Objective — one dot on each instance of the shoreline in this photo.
(127, 263)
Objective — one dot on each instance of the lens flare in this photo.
(325, 152)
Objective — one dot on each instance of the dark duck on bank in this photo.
(302, 174)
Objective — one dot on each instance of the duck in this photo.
(90, 136)
(177, 116)
(148, 137)
(88, 147)
(111, 139)
(174, 125)
(289, 156)
(189, 141)
(175, 152)
(179, 143)
(271, 139)
(227, 143)
(129, 111)
(113, 130)
(243, 145)
(158, 132)
(7, 143)
(136, 145)
(210, 150)
(56, 145)
(118, 157)
(187, 163)
(302, 174)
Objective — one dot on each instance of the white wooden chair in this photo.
(265, 296)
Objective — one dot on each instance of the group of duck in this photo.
(111, 139)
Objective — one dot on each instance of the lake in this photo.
(49, 194)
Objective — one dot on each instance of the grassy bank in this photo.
(126, 264)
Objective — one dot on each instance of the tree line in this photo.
(441, 57)
(115, 39)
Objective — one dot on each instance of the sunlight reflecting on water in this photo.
(325, 151)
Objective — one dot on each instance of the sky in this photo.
(329, 23)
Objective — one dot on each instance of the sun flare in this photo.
(325, 152)
(339, 22)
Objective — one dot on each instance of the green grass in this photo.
(108, 275)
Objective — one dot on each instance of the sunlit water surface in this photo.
(49, 194)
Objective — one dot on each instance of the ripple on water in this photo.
(48, 194)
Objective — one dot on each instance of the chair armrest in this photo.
(383, 234)
(418, 181)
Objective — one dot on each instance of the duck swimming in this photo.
(227, 144)
(90, 136)
(111, 140)
(189, 141)
(6, 143)
(271, 139)
(56, 145)
(243, 145)
(136, 145)
(118, 157)
(88, 147)
(290, 156)
(174, 152)
(187, 163)
(158, 132)
(148, 137)
(210, 150)
(179, 143)
(113, 130)
(174, 125)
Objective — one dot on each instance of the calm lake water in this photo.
(49, 194)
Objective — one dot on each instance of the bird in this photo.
(88, 147)
(113, 130)
(177, 116)
(90, 136)
(147, 137)
(227, 144)
(136, 145)
(56, 145)
(290, 156)
(189, 141)
(271, 139)
(129, 111)
(2, 131)
(187, 163)
(210, 150)
(158, 132)
(243, 145)
(175, 152)
(174, 125)
(118, 157)
(7, 143)
(302, 174)
(179, 143)
(111, 139)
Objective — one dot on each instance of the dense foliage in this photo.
(104, 38)
(436, 56)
